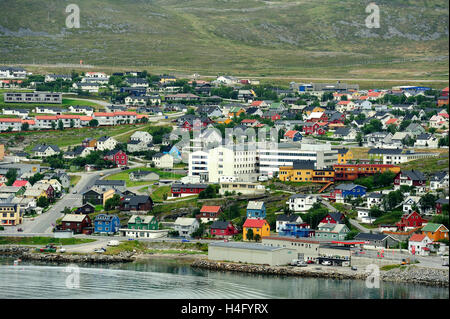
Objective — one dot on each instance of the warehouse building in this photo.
(252, 253)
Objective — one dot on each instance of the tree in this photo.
(250, 234)
(112, 202)
(426, 202)
(42, 202)
(11, 176)
(25, 126)
(60, 125)
(93, 123)
(53, 124)
(359, 138)
(72, 123)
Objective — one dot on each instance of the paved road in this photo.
(360, 227)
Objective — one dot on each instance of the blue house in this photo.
(107, 224)
(346, 190)
(256, 210)
(175, 152)
(296, 230)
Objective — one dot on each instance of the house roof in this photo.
(20, 183)
(291, 133)
(76, 218)
(220, 224)
(144, 219)
(303, 165)
(255, 205)
(417, 237)
(184, 221)
(368, 236)
(210, 209)
(432, 227)
(414, 175)
(254, 223)
(348, 187)
(288, 218)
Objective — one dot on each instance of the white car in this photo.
(326, 263)
(113, 243)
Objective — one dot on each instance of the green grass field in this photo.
(289, 38)
(43, 241)
(157, 195)
(124, 175)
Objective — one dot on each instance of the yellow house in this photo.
(344, 155)
(305, 172)
(167, 79)
(107, 195)
(258, 226)
(10, 215)
(224, 121)
(316, 109)
(34, 192)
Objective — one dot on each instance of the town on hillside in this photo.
(302, 174)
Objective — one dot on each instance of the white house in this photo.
(45, 150)
(417, 245)
(162, 160)
(439, 180)
(364, 216)
(106, 143)
(426, 141)
(142, 136)
(186, 226)
(301, 202)
(374, 199)
(282, 220)
(409, 203)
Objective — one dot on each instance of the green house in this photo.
(143, 222)
(331, 231)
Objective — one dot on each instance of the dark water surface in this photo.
(166, 279)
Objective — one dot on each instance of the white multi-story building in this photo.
(12, 73)
(142, 136)
(270, 159)
(232, 161)
(301, 203)
(186, 226)
(106, 143)
(198, 165)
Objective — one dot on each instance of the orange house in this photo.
(258, 226)
(435, 231)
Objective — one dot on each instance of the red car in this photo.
(310, 261)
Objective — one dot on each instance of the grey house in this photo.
(377, 240)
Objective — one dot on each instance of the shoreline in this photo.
(409, 274)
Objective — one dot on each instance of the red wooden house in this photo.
(209, 213)
(76, 223)
(118, 157)
(223, 229)
(333, 218)
(179, 190)
(439, 205)
(410, 220)
(313, 128)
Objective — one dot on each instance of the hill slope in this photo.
(266, 37)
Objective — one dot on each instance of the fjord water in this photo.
(167, 279)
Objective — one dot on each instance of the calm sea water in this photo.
(174, 280)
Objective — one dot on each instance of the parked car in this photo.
(99, 250)
(74, 192)
(310, 261)
(326, 263)
(185, 241)
(19, 229)
(301, 263)
(113, 243)
(354, 268)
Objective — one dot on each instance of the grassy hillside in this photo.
(286, 37)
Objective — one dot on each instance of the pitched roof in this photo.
(288, 218)
(210, 209)
(432, 227)
(417, 237)
(254, 223)
(414, 175)
(77, 218)
(255, 205)
(219, 224)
